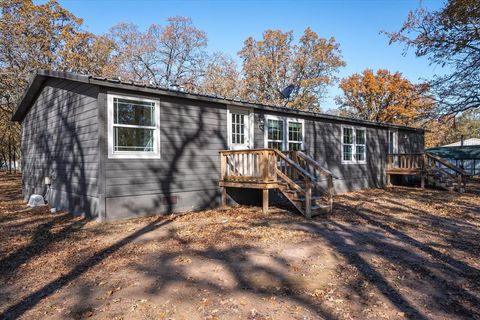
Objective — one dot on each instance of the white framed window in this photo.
(392, 141)
(275, 131)
(240, 128)
(133, 127)
(354, 145)
(295, 135)
(284, 133)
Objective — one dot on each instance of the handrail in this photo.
(244, 151)
(295, 165)
(447, 164)
(405, 161)
(256, 166)
(316, 164)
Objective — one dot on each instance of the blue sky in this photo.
(354, 23)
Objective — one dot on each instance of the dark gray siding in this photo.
(185, 177)
(410, 142)
(323, 142)
(60, 139)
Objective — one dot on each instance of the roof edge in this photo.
(38, 78)
(35, 84)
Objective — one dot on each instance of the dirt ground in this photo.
(382, 254)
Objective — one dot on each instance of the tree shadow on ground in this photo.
(441, 277)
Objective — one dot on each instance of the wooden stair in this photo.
(302, 181)
(433, 170)
(442, 174)
(299, 182)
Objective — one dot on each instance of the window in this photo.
(238, 128)
(283, 133)
(354, 148)
(392, 141)
(133, 127)
(275, 133)
(295, 135)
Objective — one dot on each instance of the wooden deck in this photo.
(427, 167)
(293, 173)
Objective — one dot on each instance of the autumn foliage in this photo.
(383, 96)
(44, 36)
(276, 61)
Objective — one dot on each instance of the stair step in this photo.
(320, 206)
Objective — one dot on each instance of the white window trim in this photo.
(354, 145)
(112, 154)
(395, 140)
(248, 135)
(285, 141)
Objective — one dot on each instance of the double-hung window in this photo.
(133, 127)
(295, 135)
(354, 148)
(283, 133)
(275, 129)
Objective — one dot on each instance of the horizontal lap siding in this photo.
(191, 135)
(410, 142)
(322, 141)
(60, 139)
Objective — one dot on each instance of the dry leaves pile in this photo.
(390, 254)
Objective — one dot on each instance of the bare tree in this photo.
(449, 37)
(165, 55)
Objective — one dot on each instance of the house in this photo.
(464, 154)
(115, 149)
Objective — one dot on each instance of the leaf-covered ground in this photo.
(382, 254)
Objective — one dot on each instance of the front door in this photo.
(240, 129)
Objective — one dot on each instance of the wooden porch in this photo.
(430, 168)
(296, 175)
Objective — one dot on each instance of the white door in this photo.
(240, 129)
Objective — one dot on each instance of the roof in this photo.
(38, 78)
(465, 152)
(468, 142)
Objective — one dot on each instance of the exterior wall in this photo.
(65, 136)
(323, 142)
(410, 142)
(185, 177)
(60, 139)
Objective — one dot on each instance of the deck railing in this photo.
(405, 161)
(424, 164)
(271, 168)
(256, 166)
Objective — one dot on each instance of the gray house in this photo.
(116, 149)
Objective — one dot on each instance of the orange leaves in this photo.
(276, 61)
(383, 96)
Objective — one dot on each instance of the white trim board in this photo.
(110, 132)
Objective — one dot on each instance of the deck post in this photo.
(330, 192)
(265, 201)
(224, 197)
(423, 180)
(389, 180)
(308, 199)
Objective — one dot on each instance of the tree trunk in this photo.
(14, 160)
(9, 155)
